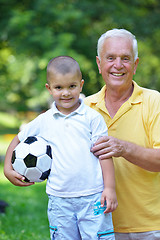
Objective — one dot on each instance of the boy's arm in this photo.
(12, 175)
(109, 193)
(99, 129)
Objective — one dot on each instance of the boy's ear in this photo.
(82, 82)
(48, 88)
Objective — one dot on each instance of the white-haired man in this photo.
(132, 114)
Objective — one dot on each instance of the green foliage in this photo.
(33, 32)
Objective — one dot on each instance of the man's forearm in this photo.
(147, 158)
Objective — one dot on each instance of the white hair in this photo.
(117, 33)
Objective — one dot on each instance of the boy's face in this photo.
(65, 90)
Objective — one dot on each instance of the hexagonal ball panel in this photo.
(19, 166)
(38, 148)
(33, 174)
(44, 163)
(21, 150)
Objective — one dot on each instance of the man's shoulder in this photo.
(95, 98)
(150, 94)
(90, 112)
(88, 108)
(151, 99)
(91, 99)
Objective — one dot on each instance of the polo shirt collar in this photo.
(135, 98)
(80, 110)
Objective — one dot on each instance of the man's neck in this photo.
(114, 100)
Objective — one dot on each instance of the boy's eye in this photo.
(58, 87)
(73, 86)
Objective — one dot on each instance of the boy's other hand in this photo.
(109, 196)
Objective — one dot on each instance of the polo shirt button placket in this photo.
(66, 124)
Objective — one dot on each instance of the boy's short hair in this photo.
(63, 65)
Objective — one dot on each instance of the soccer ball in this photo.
(32, 158)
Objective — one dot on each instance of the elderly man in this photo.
(132, 114)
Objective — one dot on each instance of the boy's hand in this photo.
(109, 196)
(13, 176)
(17, 179)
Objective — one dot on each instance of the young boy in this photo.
(76, 188)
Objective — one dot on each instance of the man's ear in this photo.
(98, 64)
(135, 65)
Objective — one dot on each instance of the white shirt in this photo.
(75, 170)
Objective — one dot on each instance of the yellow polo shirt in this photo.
(138, 190)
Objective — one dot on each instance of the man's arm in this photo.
(12, 175)
(109, 193)
(146, 158)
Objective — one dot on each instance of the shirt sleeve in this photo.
(30, 129)
(98, 128)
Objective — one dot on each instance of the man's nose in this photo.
(118, 63)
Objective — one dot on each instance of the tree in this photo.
(33, 32)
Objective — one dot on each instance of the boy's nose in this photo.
(66, 92)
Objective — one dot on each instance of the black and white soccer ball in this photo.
(32, 158)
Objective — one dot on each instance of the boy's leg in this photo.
(62, 219)
(92, 222)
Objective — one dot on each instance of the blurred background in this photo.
(34, 31)
(31, 33)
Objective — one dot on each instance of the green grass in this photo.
(26, 215)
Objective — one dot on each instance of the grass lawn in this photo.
(26, 215)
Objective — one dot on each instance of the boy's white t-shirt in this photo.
(75, 170)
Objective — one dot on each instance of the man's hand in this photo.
(107, 147)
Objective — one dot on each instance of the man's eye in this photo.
(110, 59)
(126, 59)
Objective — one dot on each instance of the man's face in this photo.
(117, 64)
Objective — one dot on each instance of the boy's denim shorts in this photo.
(79, 218)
